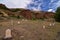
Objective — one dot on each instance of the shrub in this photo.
(57, 15)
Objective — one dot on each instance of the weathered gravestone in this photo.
(53, 24)
(44, 26)
(18, 22)
(8, 35)
(50, 24)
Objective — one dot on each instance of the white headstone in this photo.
(18, 22)
(50, 24)
(43, 26)
(21, 36)
(8, 33)
(53, 24)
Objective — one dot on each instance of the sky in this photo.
(44, 5)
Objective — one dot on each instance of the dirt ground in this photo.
(29, 29)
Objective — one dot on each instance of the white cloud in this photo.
(36, 5)
(16, 3)
(52, 1)
(23, 4)
(35, 9)
(50, 10)
(58, 4)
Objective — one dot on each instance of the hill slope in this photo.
(25, 13)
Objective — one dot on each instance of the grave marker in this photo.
(53, 24)
(18, 22)
(50, 24)
(44, 26)
(8, 33)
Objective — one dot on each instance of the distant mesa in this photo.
(24, 13)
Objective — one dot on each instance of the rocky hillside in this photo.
(23, 13)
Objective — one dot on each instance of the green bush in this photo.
(18, 17)
(57, 15)
(15, 10)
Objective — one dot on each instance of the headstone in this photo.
(8, 33)
(50, 24)
(43, 26)
(23, 19)
(18, 22)
(21, 36)
(53, 24)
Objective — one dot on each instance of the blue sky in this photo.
(45, 5)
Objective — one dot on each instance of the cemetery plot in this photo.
(29, 30)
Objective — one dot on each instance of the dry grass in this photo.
(30, 30)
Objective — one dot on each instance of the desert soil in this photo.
(29, 29)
